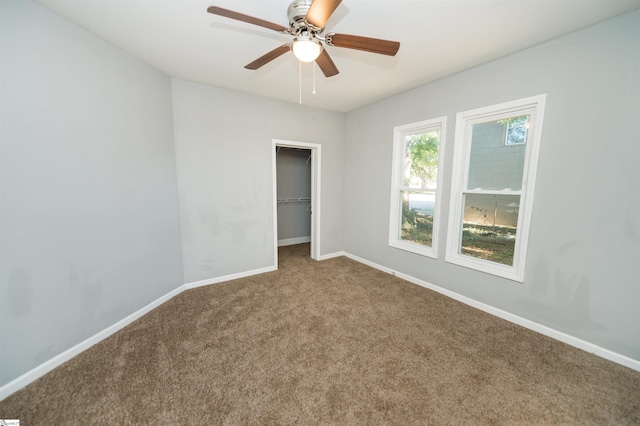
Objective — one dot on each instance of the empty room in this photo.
(319, 212)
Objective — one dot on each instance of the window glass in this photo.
(417, 217)
(492, 164)
(421, 160)
(489, 227)
(517, 130)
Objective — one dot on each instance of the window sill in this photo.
(486, 266)
(414, 248)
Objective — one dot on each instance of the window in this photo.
(495, 160)
(413, 223)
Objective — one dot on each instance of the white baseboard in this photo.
(230, 277)
(531, 325)
(369, 263)
(292, 241)
(42, 369)
(332, 255)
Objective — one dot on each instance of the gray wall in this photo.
(293, 181)
(89, 213)
(582, 265)
(223, 151)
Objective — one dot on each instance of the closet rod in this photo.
(294, 200)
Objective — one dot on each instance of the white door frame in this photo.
(315, 194)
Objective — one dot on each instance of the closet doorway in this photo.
(296, 190)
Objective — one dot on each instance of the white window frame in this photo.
(395, 215)
(534, 106)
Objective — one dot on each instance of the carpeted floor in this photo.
(332, 342)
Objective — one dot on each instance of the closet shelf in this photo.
(294, 200)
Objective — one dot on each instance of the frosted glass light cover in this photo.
(306, 50)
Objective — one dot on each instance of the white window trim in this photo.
(534, 106)
(397, 170)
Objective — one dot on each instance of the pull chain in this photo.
(313, 65)
(300, 82)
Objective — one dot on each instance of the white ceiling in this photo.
(438, 38)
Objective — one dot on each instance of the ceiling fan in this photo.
(307, 19)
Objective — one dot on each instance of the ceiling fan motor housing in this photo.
(297, 12)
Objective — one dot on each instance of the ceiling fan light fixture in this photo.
(306, 49)
(307, 19)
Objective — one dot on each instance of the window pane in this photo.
(489, 227)
(494, 164)
(417, 217)
(517, 128)
(421, 160)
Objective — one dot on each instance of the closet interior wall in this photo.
(293, 174)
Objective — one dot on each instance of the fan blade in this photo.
(373, 45)
(325, 63)
(320, 12)
(265, 59)
(246, 18)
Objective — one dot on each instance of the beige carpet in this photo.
(332, 342)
